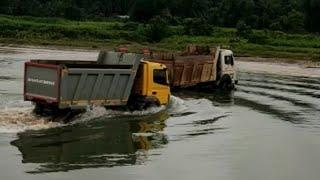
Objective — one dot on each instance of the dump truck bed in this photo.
(189, 73)
(76, 84)
(188, 69)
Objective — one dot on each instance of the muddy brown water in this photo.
(267, 129)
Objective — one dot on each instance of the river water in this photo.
(269, 128)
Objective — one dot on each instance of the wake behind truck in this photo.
(119, 79)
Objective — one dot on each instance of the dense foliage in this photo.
(243, 40)
(284, 15)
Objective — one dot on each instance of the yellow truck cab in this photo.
(151, 86)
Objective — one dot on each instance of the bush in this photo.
(276, 25)
(197, 27)
(258, 38)
(295, 21)
(156, 30)
(235, 40)
(243, 30)
(130, 26)
(139, 35)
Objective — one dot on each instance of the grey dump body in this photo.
(77, 84)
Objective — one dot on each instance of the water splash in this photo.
(18, 119)
(13, 120)
(177, 106)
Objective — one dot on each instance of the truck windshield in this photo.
(228, 60)
(160, 76)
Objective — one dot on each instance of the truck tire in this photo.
(226, 83)
(142, 103)
(138, 106)
(152, 103)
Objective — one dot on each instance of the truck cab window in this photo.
(228, 60)
(160, 76)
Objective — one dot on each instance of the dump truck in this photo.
(198, 66)
(122, 79)
(114, 80)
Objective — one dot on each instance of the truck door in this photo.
(161, 88)
(228, 63)
(228, 75)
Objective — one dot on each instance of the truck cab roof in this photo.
(226, 52)
(153, 64)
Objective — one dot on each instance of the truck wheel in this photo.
(151, 104)
(226, 83)
(136, 105)
(143, 103)
(140, 106)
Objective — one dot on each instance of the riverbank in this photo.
(112, 33)
(278, 66)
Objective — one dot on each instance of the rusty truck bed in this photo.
(187, 70)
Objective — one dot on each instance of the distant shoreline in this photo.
(277, 68)
(275, 60)
(244, 64)
(109, 34)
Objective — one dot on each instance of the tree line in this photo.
(283, 15)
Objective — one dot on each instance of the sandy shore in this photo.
(244, 64)
(278, 66)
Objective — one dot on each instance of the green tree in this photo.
(243, 30)
(156, 29)
(285, 15)
(143, 10)
(74, 13)
(197, 26)
(312, 11)
(295, 21)
(6, 6)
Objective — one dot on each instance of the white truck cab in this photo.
(226, 69)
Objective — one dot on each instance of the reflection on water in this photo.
(100, 142)
(123, 141)
(267, 129)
